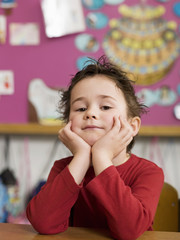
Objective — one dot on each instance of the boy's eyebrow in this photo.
(100, 96)
(78, 99)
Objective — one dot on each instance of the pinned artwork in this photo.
(8, 6)
(6, 82)
(163, 96)
(86, 43)
(143, 42)
(96, 20)
(24, 34)
(93, 4)
(43, 103)
(176, 9)
(82, 62)
(2, 29)
(113, 2)
(62, 17)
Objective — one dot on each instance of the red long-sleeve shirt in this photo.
(122, 199)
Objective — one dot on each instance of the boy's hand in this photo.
(72, 141)
(114, 141)
(81, 152)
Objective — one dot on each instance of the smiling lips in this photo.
(89, 127)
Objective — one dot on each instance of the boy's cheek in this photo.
(73, 125)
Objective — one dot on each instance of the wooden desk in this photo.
(10, 231)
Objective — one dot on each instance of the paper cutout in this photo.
(62, 17)
(93, 4)
(82, 62)
(163, 96)
(24, 34)
(142, 42)
(45, 101)
(86, 43)
(2, 29)
(6, 82)
(96, 20)
(113, 2)
(176, 9)
(8, 3)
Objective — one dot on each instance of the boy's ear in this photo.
(135, 123)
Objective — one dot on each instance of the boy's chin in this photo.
(91, 141)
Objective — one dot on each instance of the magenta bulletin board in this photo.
(54, 60)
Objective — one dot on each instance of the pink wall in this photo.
(54, 60)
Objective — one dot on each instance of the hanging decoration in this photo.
(142, 42)
(8, 5)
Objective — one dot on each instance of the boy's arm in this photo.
(81, 153)
(49, 210)
(129, 210)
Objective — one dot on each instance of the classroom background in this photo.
(38, 56)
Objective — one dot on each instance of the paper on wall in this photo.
(45, 101)
(2, 29)
(24, 34)
(62, 17)
(6, 82)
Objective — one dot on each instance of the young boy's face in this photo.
(94, 102)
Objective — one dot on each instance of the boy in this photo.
(102, 185)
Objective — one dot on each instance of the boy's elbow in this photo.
(44, 226)
(45, 229)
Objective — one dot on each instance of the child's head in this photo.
(107, 79)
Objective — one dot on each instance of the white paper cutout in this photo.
(24, 34)
(62, 17)
(6, 82)
(2, 29)
(45, 100)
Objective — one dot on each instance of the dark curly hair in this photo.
(103, 67)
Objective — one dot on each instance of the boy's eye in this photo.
(105, 107)
(81, 109)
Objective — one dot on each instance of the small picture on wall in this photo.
(2, 29)
(24, 34)
(6, 82)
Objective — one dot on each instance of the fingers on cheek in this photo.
(117, 123)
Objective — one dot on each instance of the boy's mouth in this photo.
(91, 127)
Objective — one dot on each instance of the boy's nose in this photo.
(90, 116)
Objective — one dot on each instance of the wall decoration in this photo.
(62, 17)
(142, 42)
(163, 96)
(96, 20)
(6, 82)
(8, 5)
(82, 62)
(2, 29)
(113, 2)
(86, 43)
(24, 34)
(93, 4)
(176, 9)
(163, 1)
(45, 102)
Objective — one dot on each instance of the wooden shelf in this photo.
(37, 129)
(29, 129)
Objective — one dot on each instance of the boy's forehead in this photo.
(98, 85)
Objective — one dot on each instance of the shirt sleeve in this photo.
(129, 210)
(49, 210)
